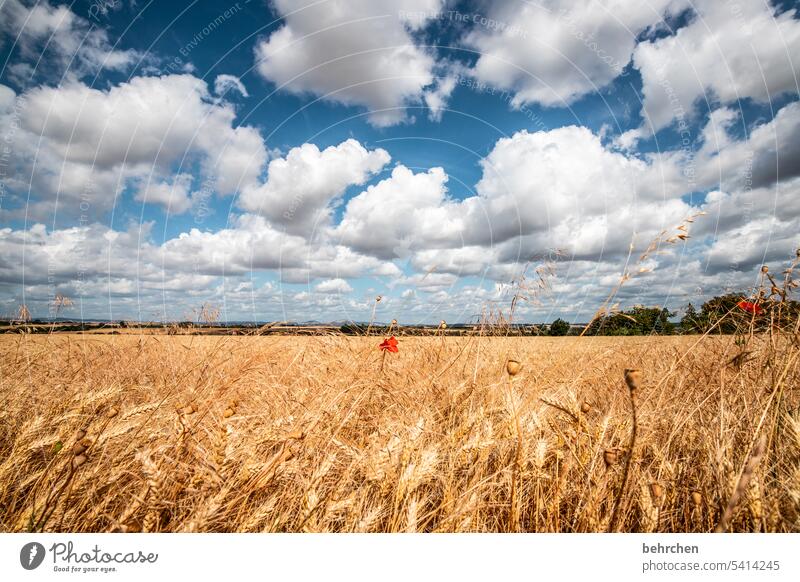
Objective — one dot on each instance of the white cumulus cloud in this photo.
(728, 52)
(554, 52)
(87, 142)
(359, 52)
(333, 286)
(301, 186)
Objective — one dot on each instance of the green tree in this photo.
(725, 316)
(638, 320)
(559, 327)
(654, 320)
(723, 311)
(690, 322)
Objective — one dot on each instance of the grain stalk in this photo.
(632, 378)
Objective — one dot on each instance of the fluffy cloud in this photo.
(747, 227)
(554, 52)
(475, 260)
(404, 212)
(96, 259)
(564, 189)
(436, 99)
(728, 52)
(301, 186)
(58, 40)
(532, 198)
(771, 152)
(561, 189)
(88, 142)
(226, 83)
(250, 244)
(147, 120)
(333, 286)
(357, 53)
(329, 260)
(71, 255)
(174, 197)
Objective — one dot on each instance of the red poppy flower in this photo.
(749, 307)
(390, 345)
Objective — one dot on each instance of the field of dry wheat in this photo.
(329, 434)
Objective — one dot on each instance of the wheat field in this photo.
(329, 434)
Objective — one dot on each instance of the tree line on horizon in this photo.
(725, 314)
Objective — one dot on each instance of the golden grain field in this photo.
(289, 434)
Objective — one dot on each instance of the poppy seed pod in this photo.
(78, 461)
(78, 449)
(697, 499)
(765, 269)
(610, 457)
(228, 413)
(112, 412)
(585, 407)
(80, 434)
(632, 377)
(513, 367)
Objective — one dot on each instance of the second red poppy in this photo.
(749, 307)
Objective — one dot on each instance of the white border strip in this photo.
(385, 557)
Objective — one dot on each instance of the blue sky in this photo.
(294, 160)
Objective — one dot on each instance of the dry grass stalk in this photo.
(632, 379)
(741, 485)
